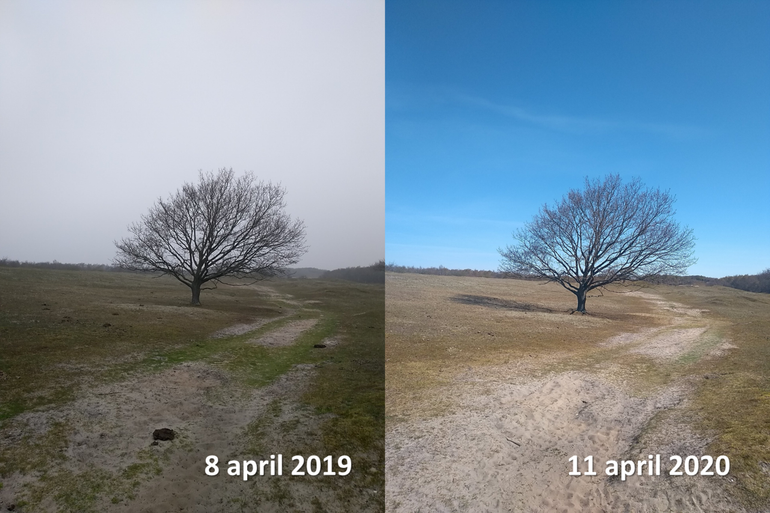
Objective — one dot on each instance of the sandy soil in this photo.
(285, 335)
(217, 429)
(246, 327)
(271, 293)
(507, 443)
(111, 428)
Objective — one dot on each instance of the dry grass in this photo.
(439, 326)
(445, 331)
(734, 402)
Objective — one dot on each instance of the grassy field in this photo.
(445, 331)
(66, 334)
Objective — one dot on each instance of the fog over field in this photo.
(107, 106)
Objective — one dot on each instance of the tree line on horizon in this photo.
(6, 262)
(444, 271)
(375, 274)
(749, 282)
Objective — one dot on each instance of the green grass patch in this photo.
(35, 451)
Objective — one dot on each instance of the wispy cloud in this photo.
(577, 124)
(402, 97)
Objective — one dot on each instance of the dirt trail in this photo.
(285, 335)
(110, 432)
(218, 429)
(507, 445)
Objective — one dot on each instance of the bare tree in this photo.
(609, 232)
(222, 226)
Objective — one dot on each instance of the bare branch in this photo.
(222, 226)
(609, 232)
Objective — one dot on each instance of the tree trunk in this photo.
(581, 298)
(196, 293)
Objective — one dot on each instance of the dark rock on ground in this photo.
(163, 434)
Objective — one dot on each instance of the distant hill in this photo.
(748, 282)
(306, 272)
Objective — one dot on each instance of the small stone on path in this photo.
(163, 434)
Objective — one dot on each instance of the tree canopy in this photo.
(223, 226)
(608, 232)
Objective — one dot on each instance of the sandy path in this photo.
(285, 335)
(507, 445)
(110, 430)
(183, 485)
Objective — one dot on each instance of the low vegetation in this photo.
(442, 331)
(64, 333)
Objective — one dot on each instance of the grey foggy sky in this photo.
(107, 105)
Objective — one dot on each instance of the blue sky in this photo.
(496, 108)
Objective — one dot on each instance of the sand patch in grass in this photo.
(285, 335)
(109, 440)
(243, 328)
